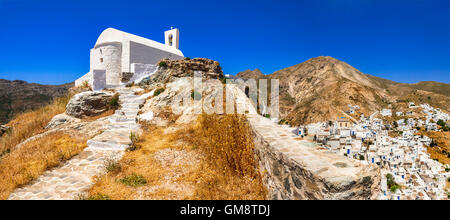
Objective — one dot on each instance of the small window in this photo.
(170, 40)
(101, 60)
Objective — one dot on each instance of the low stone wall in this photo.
(298, 169)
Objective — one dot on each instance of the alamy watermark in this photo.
(239, 96)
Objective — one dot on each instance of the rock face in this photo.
(298, 169)
(88, 104)
(60, 120)
(18, 96)
(250, 74)
(170, 69)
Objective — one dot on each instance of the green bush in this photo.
(134, 180)
(223, 79)
(112, 165)
(361, 157)
(394, 188)
(162, 64)
(99, 196)
(195, 94)
(158, 91)
(392, 185)
(134, 142)
(267, 116)
(114, 102)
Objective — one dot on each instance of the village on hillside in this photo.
(396, 146)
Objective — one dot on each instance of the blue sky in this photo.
(48, 41)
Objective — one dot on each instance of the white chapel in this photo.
(117, 53)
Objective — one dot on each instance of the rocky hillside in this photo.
(18, 96)
(250, 74)
(321, 88)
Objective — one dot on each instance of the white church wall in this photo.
(140, 71)
(99, 79)
(140, 53)
(110, 58)
(125, 56)
(87, 77)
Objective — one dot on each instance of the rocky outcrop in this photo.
(61, 119)
(170, 69)
(88, 104)
(298, 169)
(126, 76)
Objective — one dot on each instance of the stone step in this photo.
(119, 136)
(126, 113)
(132, 101)
(94, 145)
(124, 99)
(132, 105)
(116, 119)
(129, 126)
(130, 109)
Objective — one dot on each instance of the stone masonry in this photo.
(297, 169)
(75, 176)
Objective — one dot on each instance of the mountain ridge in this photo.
(17, 96)
(321, 88)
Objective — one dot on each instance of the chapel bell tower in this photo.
(172, 37)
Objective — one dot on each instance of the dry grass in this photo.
(230, 169)
(212, 159)
(29, 161)
(139, 162)
(441, 151)
(31, 123)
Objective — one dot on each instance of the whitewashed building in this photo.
(117, 53)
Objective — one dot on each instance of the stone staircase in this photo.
(75, 176)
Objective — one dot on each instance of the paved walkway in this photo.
(75, 176)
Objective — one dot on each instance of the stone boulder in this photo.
(88, 104)
(168, 70)
(61, 119)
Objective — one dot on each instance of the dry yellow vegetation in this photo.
(212, 159)
(31, 123)
(30, 160)
(230, 171)
(442, 151)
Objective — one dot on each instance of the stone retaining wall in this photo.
(298, 169)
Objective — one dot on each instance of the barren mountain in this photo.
(18, 96)
(250, 74)
(321, 88)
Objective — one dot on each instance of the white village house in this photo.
(117, 54)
